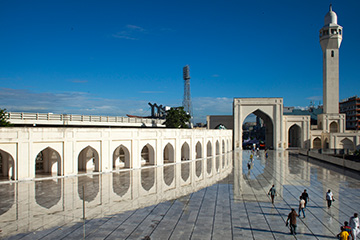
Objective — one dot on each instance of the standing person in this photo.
(292, 217)
(343, 235)
(305, 196)
(329, 198)
(347, 228)
(272, 193)
(302, 206)
(266, 153)
(355, 225)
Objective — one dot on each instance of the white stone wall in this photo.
(24, 144)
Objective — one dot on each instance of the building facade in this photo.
(351, 108)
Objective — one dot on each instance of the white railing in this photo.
(77, 118)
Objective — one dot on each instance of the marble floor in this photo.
(216, 198)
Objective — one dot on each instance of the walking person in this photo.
(272, 193)
(355, 225)
(305, 196)
(292, 217)
(329, 198)
(302, 206)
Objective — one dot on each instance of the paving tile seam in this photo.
(121, 223)
(182, 212)
(143, 219)
(308, 211)
(213, 223)
(247, 215)
(198, 213)
(162, 209)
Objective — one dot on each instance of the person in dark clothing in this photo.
(292, 217)
(305, 196)
(272, 193)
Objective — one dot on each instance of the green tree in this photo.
(3, 119)
(177, 118)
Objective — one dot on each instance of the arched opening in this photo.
(208, 149)
(185, 152)
(317, 143)
(121, 158)
(347, 144)
(88, 160)
(223, 147)
(185, 166)
(257, 131)
(217, 153)
(48, 162)
(294, 136)
(198, 150)
(147, 155)
(48, 194)
(90, 185)
(147, 178)
(7, 167)
(169, 154)
(121, 182)
(334, 127)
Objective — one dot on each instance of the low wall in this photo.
(330, 159)
(28, 152)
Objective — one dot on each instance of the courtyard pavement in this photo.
(235, 207)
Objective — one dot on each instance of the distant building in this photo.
(351, 107)
(312, 111)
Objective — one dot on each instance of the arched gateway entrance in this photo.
(270, 110)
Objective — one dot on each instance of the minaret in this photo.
(331, 121)
(330, 40)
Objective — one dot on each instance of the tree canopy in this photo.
(177, 118)
(3, 118)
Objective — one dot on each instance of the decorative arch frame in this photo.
(269, 109)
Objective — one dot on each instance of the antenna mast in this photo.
(187, 97)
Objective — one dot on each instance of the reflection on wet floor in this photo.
(47, 203)
(121, 182)
(185, 201)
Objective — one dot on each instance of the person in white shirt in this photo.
(302, 206)
(329, 198)
(355, 225)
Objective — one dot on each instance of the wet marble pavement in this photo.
(220, 198)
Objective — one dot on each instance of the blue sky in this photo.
(113, 57)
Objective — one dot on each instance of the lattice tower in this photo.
(187, 96)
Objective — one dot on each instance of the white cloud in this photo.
(130, 32)
(20, 100)
(315, 98)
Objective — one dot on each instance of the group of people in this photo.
(304, 199)
(350, 229)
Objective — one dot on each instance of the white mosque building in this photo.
(282, 130)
